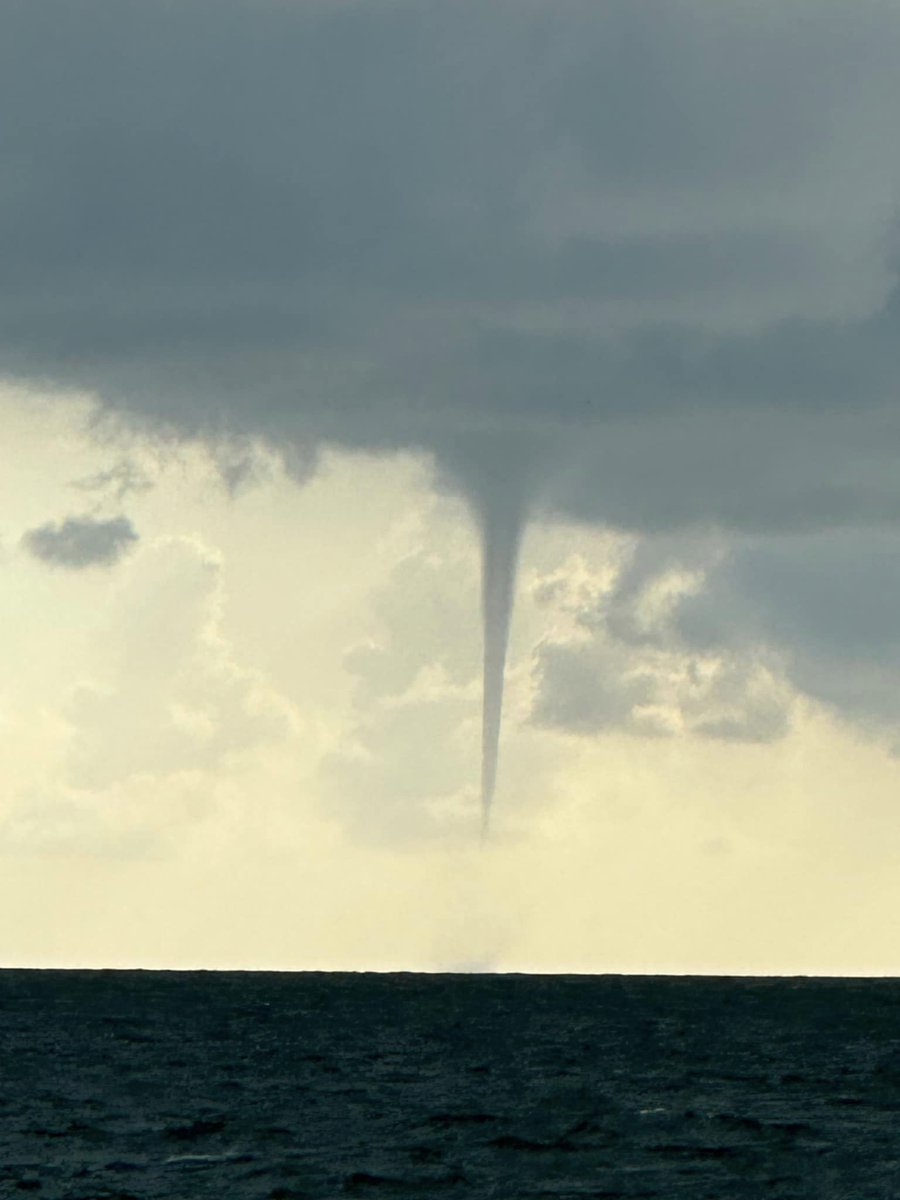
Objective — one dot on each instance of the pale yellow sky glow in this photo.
(253, 742)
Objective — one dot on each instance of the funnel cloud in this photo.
(501, 533)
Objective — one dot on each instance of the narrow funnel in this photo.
(501, 533)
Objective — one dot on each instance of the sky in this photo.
(313, 317)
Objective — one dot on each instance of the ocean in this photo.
(230, 1084)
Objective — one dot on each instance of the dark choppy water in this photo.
(141, 1084)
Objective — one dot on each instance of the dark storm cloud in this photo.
(645, 245)
(630, 662)
(79, 542)
(761, 619)
(827, 604)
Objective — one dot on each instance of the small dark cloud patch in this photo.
(79, 542)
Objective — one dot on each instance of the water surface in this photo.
(194, 1084)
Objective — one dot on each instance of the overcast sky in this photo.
(292, 294)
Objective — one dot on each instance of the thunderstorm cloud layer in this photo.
(646, 249)
(629, 265)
